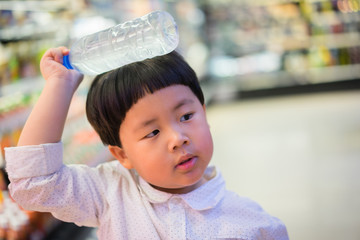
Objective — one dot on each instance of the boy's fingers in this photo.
(64, 50)
(56, 54)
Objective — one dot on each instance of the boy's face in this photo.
(166, 138)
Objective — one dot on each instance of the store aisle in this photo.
(298, 156)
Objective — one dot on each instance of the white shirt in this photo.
(123, 206)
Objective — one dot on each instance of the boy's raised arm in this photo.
(46, 121)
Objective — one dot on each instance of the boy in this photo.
(151, 114)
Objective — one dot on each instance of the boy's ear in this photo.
(120, 155)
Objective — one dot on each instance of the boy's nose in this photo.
(177, 140)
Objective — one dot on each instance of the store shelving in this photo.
(27, 32)
(47, 6)
(317, 41)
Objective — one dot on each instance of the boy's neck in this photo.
(182, 190)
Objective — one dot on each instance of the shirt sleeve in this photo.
(39, 181)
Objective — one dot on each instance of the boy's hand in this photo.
(52, 69)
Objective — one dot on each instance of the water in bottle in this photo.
(151, 35)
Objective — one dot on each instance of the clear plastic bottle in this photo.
(151, 35)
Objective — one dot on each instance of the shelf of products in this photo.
(305, 42)
(19, 224)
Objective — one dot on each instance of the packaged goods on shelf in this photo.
(317, 41)
(19, 224)
(14, 110)
(19, 61)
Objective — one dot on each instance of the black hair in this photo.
(113, 93)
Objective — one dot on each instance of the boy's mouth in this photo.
(186, 162)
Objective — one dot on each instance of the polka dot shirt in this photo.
(123, 206)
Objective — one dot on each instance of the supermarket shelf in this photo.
(19, 95)
(341, 40)
(334, 73)
(28, 32)
(328, 18)
(310, 76)
(350, 39)
(262, 2)
(48, 6)
(345, 77)
(234, 93)
(24, 85)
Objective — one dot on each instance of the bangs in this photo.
(149, 76)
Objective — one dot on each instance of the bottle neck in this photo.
(66, 62)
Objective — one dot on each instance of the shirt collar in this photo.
(202, 198)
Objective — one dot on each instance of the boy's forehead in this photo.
(170, 94)
(169, 98)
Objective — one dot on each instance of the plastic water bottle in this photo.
(149, 36)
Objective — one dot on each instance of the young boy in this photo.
(151, 114)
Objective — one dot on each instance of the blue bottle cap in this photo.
(66, 62)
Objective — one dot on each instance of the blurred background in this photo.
(282, 85)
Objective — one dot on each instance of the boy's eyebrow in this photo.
(177, 106)
(146, 123)
(182, 103)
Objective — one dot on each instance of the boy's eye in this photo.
(152, 134)
(186, 117)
